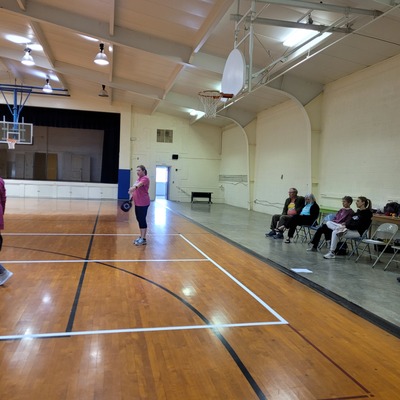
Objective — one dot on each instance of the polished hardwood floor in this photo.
(88, 315)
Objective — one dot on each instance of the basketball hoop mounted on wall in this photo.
(11, 143)
(210, 100)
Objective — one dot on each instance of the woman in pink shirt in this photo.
(5, 275)
(139, 192)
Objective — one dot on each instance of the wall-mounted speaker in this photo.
(175, 156)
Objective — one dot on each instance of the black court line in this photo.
(82, 277)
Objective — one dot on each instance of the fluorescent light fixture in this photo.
(299, 36)
(17, 39)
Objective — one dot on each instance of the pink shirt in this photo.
(141, 194)
(2, 202)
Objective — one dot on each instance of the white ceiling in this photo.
(162, 53)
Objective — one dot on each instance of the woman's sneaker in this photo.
(136, 240)
(329, 255)
(140, 242)
(5, 276)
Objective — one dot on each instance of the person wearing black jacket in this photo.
(355, 227)
(308, 215)
(279, 222)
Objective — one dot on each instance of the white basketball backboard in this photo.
(234, 75)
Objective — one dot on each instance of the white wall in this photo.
(283, 155)
(360, 140)
(199, 154)
(234, 170)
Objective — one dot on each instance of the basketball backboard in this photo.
(19, 131)
(234, 75)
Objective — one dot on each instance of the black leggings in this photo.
(141, 214)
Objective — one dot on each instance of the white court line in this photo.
(134, 330)
(280, 321)
(83, 234)
(103, 261)
(272, 311)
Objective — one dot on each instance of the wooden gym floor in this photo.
(87, 315)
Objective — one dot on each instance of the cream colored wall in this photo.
(235, 166)
(198, 147)
(283, 155)
(360, 140)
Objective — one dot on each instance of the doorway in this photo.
(162, 179)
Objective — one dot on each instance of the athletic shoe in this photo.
(136, 240)
(278, 235)
(5, 276)
(287, 240)
(312, 248)
(270, 234)
(141, 242)
(329, 255)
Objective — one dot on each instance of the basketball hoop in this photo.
(11, 143)
(210, 100)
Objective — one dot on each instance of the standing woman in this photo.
(5, 275)
(139, 192)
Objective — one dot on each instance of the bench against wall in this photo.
(202, 195)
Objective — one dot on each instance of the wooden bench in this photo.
(202, 195)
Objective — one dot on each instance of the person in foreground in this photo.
(353, 228)
(293, 205)
(139, 193)
(5, 274)
(308, 215)
(341, 217)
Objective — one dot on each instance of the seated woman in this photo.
(341, 217)
(308, 215)
(353, 228)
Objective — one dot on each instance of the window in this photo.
(165, 135)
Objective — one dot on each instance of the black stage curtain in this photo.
(61, 118)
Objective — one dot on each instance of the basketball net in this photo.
(210, 100)
(11, 144)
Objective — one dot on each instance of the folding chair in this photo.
(385, 232)
(327, 218)
(355, 243)
(395, 251)
(304, 231)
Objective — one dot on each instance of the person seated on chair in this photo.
(354, 227)
(341, 217)
(293, 205)
(308, 215)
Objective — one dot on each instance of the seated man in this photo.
(308, 215)
(341, 217)
(293, 205)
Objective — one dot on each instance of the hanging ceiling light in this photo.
(101, 57)
(103, 92)
(47, 87)
(27, 59)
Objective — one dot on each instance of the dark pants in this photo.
(298, 220)
(322, 230)
(279, 220)
(141, 214)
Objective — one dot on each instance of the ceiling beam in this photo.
(101, 30)
(290, 24)
(117, 83)
(323, 7)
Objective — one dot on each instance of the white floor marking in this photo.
(134, 330)
(103, 261)
(272, 311)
